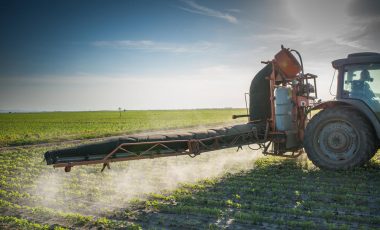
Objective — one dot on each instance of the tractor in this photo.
(346, 131)
(285, 118)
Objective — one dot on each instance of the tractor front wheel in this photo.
(339, 138)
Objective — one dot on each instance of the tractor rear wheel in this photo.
(339, 138)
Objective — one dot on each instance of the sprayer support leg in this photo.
(106, 165)
(67, 168)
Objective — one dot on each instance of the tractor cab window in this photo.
(363, 82)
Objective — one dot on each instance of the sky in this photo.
(170, 54)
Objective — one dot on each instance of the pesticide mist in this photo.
(86, 190)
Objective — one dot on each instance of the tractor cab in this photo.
(359, 79)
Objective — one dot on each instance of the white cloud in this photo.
(152, 46)
(351, 44)
(195, 8)
(274, 36)
(350, 25)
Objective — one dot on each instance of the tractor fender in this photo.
(358, 105)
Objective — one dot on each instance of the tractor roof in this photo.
(357, 58)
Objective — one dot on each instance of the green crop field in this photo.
(216, 190)
(31, 128)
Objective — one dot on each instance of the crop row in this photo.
(246, 198)
(43, 214)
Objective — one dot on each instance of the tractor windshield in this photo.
(363, 82)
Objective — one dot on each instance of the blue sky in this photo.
(94, 55)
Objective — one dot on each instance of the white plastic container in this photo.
(283, 108)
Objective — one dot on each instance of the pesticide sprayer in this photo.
(280, 96)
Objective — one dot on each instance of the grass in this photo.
(31, 128)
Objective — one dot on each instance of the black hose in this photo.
(300, 57)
